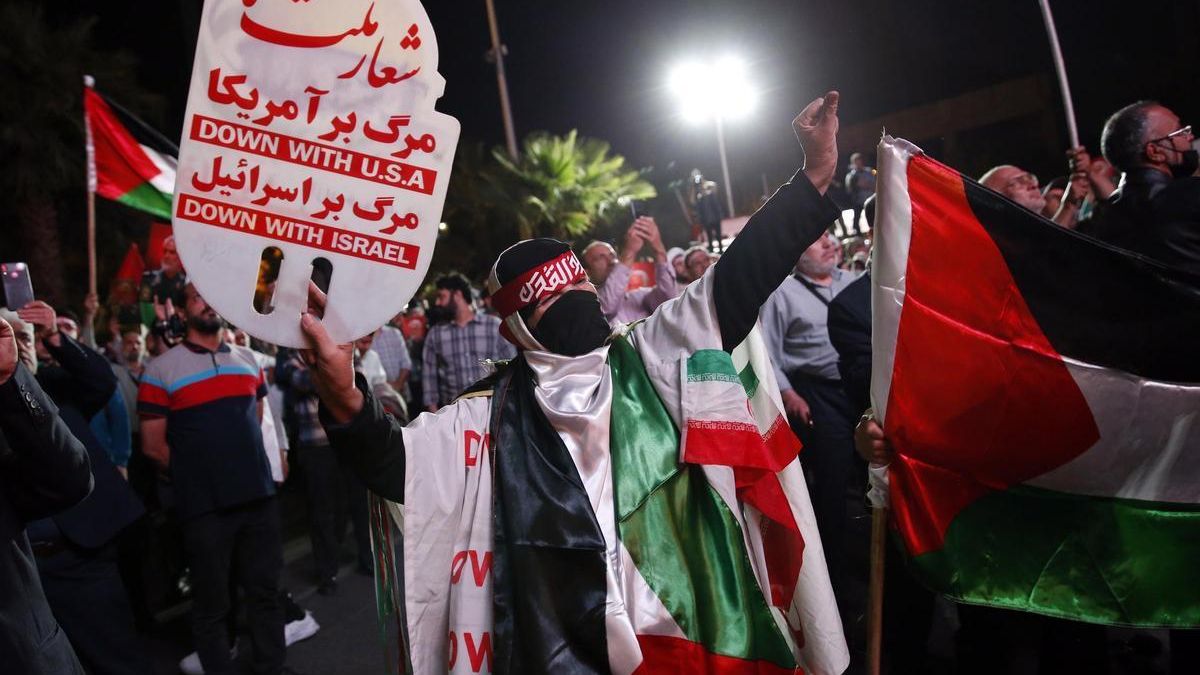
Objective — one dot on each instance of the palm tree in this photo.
(564, 186)
(42, 138)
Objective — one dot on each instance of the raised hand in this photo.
(648, 229)
(816, 128)
(331, 364)
(634, 240)
(43, 318)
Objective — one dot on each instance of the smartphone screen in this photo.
(18, 290)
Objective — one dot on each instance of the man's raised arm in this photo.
(357, 426)
(767, 249)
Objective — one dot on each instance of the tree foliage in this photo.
(563, 186)
(42, 141)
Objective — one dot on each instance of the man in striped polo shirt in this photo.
(201, 407)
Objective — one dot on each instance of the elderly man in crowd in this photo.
(794, 322)
(611, 273)
(1021, 186)
(696, 261)
(1156, 209)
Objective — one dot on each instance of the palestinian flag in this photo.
(1042, 391)
(119, 166)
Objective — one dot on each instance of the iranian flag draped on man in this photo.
(623, 500)
(1040, 391)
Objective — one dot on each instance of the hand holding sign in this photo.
(311, 129)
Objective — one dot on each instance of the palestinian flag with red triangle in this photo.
(1042, 392)
(120, 166)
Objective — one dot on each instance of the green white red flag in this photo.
(1042, 391)
(119, 167)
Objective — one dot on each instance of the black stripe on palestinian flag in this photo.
(1096, 303)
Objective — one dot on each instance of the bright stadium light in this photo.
(719, 90)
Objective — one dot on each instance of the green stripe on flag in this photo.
(680, 533)
(708, 365)
(145, 197)
(749, 380)
(1103, 560)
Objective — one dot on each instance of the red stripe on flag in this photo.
(121, 165)
(783, 545)
(966, 342)
(755, 460)
(663, 655)
(740, 444)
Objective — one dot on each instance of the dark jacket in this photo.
(44, 469)
(850, 332)
(81, 384)
(1154, 215)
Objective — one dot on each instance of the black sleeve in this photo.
(850, 332)
(44, 469)
(765, 253)
(372, 443)
(92, 379)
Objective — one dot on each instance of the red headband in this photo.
(538, 283)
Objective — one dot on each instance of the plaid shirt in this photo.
(393, 352)
(454, 355)
(304, 402)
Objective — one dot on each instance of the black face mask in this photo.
(1187, 165)
(573, 325)
(440, 314)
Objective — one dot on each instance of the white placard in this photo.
(311, 127)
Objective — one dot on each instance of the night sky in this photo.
(601, 67)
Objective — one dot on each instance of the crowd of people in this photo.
(180, 429)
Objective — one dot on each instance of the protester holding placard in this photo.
(548, 480)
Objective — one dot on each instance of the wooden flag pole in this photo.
(879, 518)
(91, 241)
(90, 149)
(1061, 69)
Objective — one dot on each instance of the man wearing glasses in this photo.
(1022, 187)
(1156, 209)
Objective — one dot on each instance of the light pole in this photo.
(497, 52)
(719, 90)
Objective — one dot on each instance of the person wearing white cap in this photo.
(675, 257)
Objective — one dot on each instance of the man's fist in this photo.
(8, 351)
(91, 306)
(870, 442)
(816, 128)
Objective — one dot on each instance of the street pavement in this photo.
(348, 643)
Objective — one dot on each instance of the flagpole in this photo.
(1061, 69)
(510, 136)
(89, 82)
(91, 242)
(879, 517)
